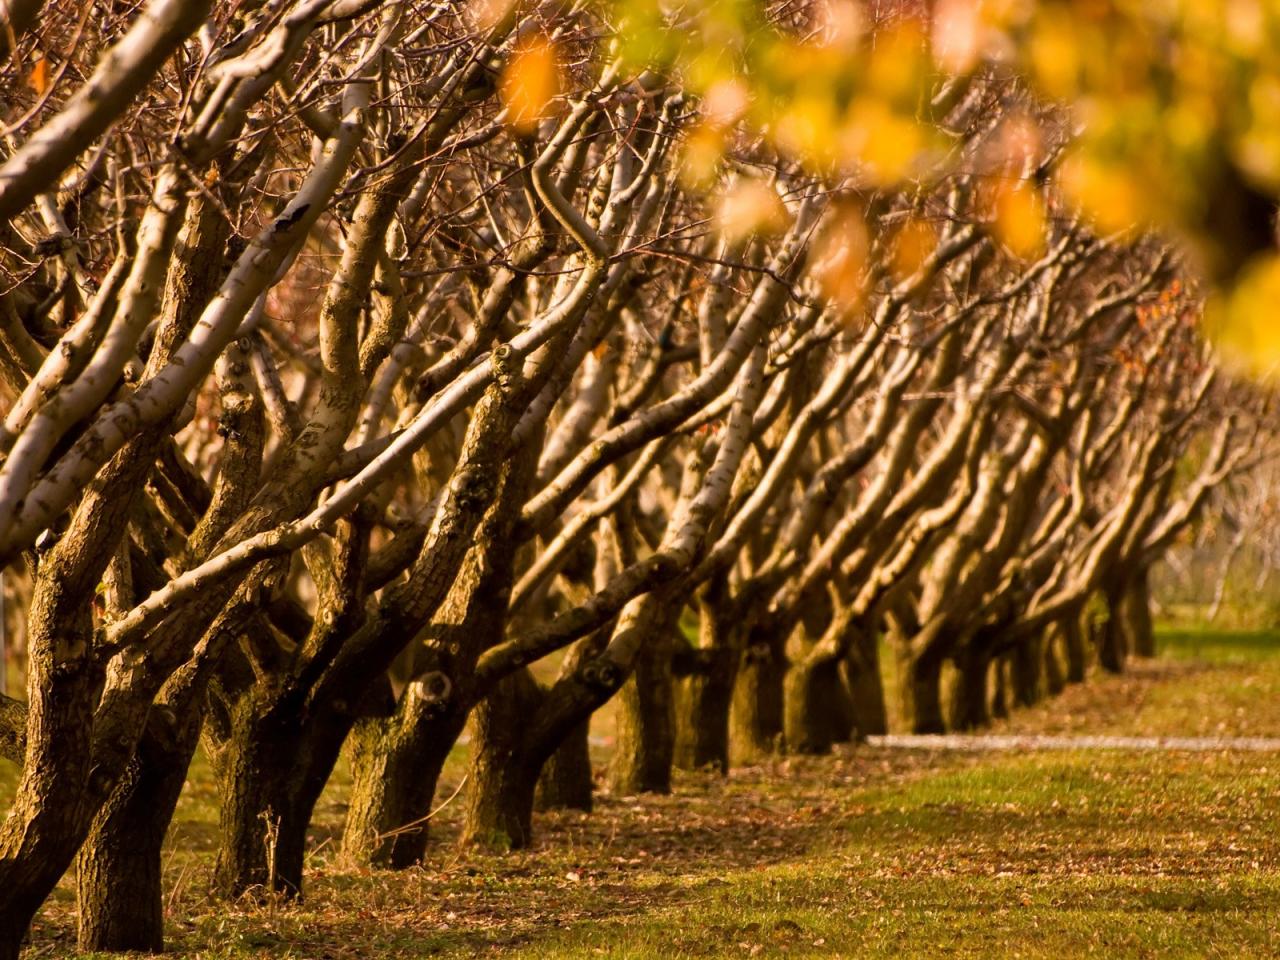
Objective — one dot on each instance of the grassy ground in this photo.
(865, 853)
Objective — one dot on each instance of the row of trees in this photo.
(351, 371)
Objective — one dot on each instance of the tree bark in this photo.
(866, 686)
(502, 781)
(969, 695)
(119, 883)
(1137, 612)
(1073, 645)
(566, 782)
(755, 717)
(1027, 664)
(646, 721)
(396, 763)
(921, 692)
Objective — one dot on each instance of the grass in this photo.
(862, 854)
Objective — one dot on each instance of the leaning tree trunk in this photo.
(502, 784)
(920, 677)
(866, 686)
(1055, 680)
(646, 720)
(119, 888)
(969, 694)
(1111, 637)
(1073, 646)
(566, 782)
(1027, 662)
(271, 772)
(705, 695)
(1136, 608)
(46, 821)
(396, 763)
(816, 709)
(755, 718)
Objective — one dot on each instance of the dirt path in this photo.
(999, 742)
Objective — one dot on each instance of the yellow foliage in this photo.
(747, 207)
(912, 246)
(1244, 327)
(1107, 193)
(530, 81)
(700, 158)
(957, 34)
(38, 78)
(840, 260)
(885, 143)
(1055, 55)
(1019, 221)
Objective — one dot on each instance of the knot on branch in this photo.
(601, 674)
(437, 692)
(506, 368)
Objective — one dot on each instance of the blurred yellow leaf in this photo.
(841, 23)
(38, 78)
(897, 64)
(1055, 54)
(530, 81)
(700, 158)
(885, 143)
(912, 246)
(725, 102)
(1019, 218)
(957, 35)
(1106, 193)
(840, 263)
(747, 207)
(1244, 328)
(807, 130)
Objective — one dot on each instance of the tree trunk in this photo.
(119, 885)
(271, 773)
(396, 763)
(969, 695)
(1000, 690)
(921, 692)
(46, 823)
(816, 708)
(646, 722)
(755, 717)
(866, 687)
(1073, 645)
(835, 703)
(703, 703)
(1027, 662)
(501, 781)
(1111, 636)
(1137, 613)
(1054, 679)
(806, 729)
(705, 696)
(565, 782)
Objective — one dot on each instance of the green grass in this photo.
(862, 854)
